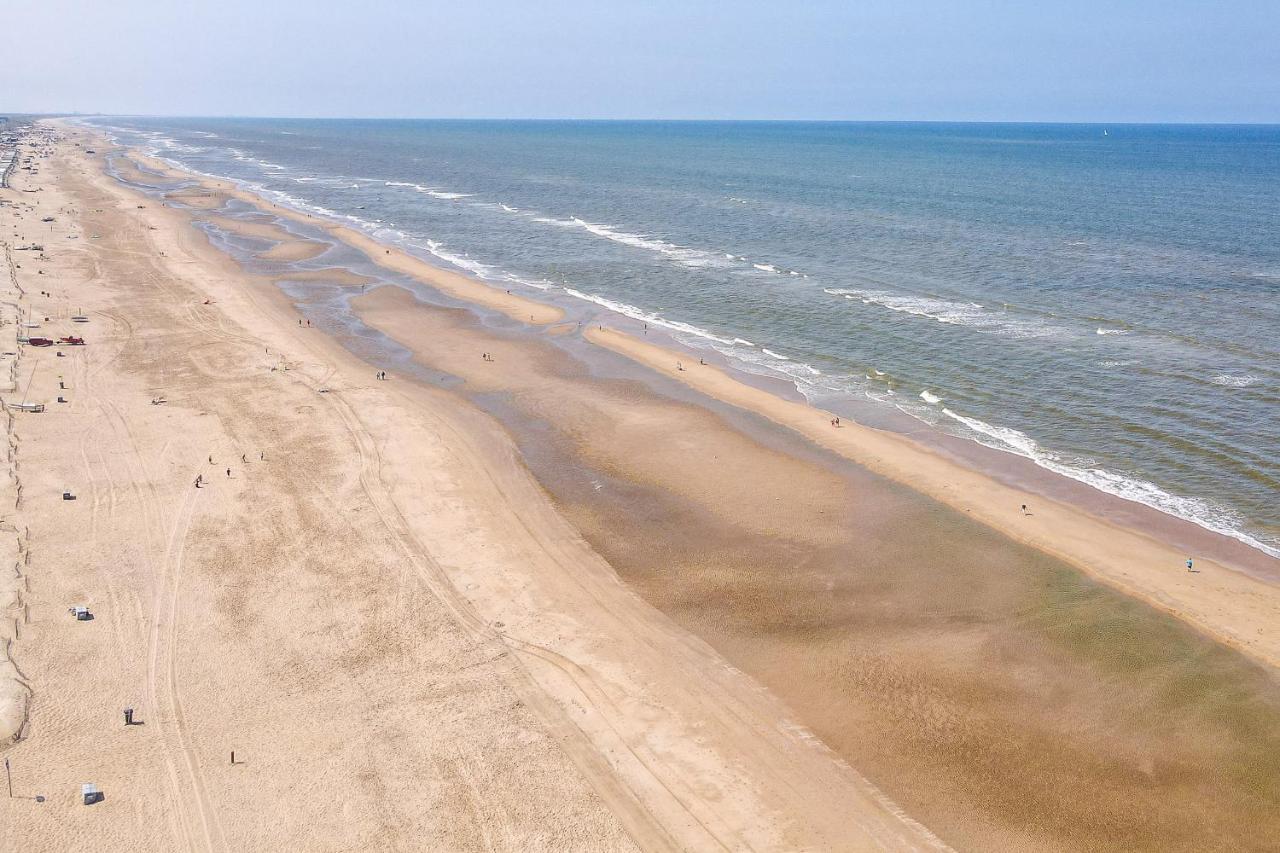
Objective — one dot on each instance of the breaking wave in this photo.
(953, 313)
(1235, 381)
(1195, 510)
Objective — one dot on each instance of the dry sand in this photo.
(383, 615)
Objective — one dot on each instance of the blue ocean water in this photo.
(1102, 300)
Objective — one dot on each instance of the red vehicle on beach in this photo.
(72, 340)
(40, 342)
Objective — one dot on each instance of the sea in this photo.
(1102, 300)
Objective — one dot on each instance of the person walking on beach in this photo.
(1189, 565)
(199, 477)
(1024, 509)
(228, 472)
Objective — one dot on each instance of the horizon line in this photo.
(1059, 122)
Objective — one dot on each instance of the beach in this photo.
(317, 625)
(549, 585)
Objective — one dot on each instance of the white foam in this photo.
(929, 397)
(636, 313)
(431, 191)
(1195, 510)
(1102, 331)
(244, 157)
(953, 313)
(763, 362)
(680, 254)
(464, 262)
(1235, 381)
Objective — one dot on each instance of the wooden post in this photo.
(8, 778)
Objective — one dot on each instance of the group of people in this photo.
(486, 356)
(244, 458)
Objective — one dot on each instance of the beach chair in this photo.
(90, 793)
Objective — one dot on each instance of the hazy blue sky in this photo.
(1104, 60)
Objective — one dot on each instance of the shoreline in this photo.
(480, 670)
(863, 605)
(1198, 534)
(1230, 601)
(705, 610)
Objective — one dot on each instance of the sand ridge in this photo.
(1234, 607)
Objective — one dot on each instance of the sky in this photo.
(942, 60)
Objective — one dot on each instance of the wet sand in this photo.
(285, 246)
(330, 275)
(212, 194)
(999, 695)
